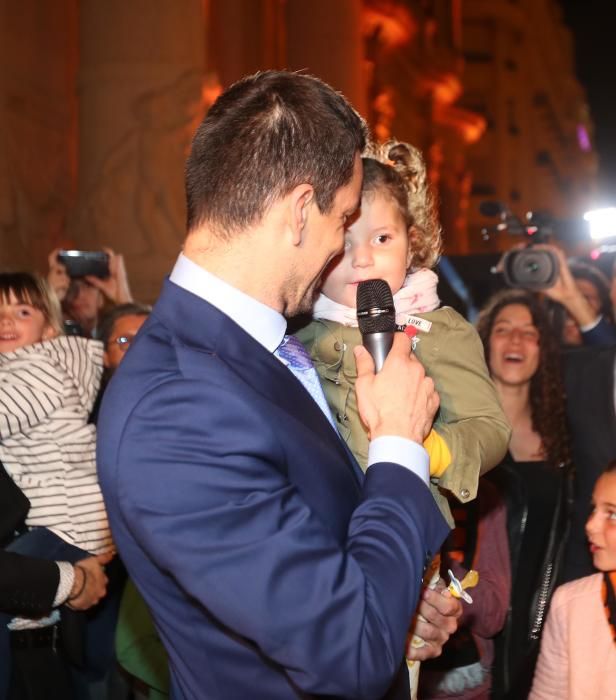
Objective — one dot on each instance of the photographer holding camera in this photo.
(582, 320)
(84, 296)
(588, 318)
(582, 312)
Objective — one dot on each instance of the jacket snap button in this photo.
(465, 493)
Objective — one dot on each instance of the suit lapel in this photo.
(267, 375)
(200, 325)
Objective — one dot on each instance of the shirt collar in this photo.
(261, 322)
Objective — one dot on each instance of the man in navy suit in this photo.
(272, 568)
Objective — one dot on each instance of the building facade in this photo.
(100, 100)
(536, 153)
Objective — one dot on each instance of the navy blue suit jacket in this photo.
(604, 333)
(271, 570)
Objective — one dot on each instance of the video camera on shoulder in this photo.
(527, 268)
(82, 263)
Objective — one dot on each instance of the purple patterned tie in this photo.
(295, 356)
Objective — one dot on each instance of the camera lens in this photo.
(530, 269)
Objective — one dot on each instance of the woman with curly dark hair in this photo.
(523, 357)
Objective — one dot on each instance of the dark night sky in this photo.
(593, 23)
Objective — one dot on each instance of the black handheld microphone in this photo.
(376, 317)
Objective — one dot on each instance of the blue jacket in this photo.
(272, 568)
(604, 333)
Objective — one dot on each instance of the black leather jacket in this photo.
(27, 586)
(589, 383)
(514, 663)
(14, 507)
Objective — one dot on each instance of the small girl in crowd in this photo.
(396, 237)
(578, 647)
(48, 383)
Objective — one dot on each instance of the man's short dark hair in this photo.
(265, 135)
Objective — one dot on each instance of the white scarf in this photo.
(416, 296)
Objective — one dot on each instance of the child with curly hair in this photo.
(396, 237)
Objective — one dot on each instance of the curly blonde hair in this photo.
(399, 169)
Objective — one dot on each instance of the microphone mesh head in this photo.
(375, 307)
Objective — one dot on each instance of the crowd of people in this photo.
(199, 502)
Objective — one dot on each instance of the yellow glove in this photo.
(440, 456)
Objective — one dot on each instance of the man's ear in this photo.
(301, 200)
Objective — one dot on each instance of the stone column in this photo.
(38, 135)
(244, 37)
(140, 97)
(325, 38)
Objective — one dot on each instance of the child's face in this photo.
(601, 525)
(376, 246)
(21, 324)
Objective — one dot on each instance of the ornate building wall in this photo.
(38, 128)
(99, 100)
(141, 72)
(519, 73)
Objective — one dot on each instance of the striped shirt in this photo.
(47, 391)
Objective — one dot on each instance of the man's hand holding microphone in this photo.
(394, 395)
(395, 398)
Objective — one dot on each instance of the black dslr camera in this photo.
(527, 268)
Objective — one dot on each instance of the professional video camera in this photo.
(528, 268)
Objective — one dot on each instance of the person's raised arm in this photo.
(115, 287)
(566, 292)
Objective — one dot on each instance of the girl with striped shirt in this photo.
(48, 383)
